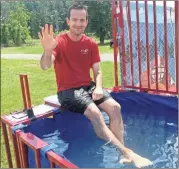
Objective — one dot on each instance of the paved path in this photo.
(104, 57)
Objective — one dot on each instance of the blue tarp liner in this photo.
(151, 130)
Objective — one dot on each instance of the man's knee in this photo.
(116, 106)
(94, 114)
(116, 111)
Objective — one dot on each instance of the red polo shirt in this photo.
(73, 61)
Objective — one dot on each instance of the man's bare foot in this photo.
(138, 161)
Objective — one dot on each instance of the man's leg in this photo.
(78, 100)
(93, 113)
(103, 132)
(113, 109)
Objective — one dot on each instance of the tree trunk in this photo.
(101, 39)
(101, 36)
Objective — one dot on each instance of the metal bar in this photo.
(59, 160)
(176, 41)
(138, 42)
(122, 43)
(52, 164)
(17, 133)
(7, 147)
(143, 89)
(9, 129)
(147, 43)
(114, 42)
(27, 92)
(165, 43)
(23, 149)
(37, 158)
(36, 144)
(155, 42)
(23, 90)
(130, 40)
(16, 150)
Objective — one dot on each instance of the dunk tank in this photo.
(145, 38)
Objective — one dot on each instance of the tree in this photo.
(17, 20)
(5, 35)
(50, 12)
(5, 8)
(100, 19)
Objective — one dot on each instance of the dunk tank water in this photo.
(151, 127)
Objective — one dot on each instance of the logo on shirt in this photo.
(84, 51)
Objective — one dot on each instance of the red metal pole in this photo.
(52, 164)
(37, 158)
(33, 142)
(130, 41)
(6, 142)
(16, 150)
(147, 43)
(27, 92)
(123, 43)
(23, 91)
(19, 148)
(176, 41)
(166, 43)
(138, 41)
(114, 43)
(159, 91)
(23, 149)
(155, 42)
(59, 160)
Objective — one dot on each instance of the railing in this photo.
(145, 37)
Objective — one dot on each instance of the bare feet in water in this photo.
(138, 161)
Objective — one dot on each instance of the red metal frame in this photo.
(130, 40)
(155, 43)
(147, 43)
(25, 91)
(138, 42)
(149, 88)
(114, 43)
(166, 43)
(7, 147)
(121, 25)
(16, 150)
(33, 142)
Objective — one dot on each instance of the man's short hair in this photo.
(77, 6)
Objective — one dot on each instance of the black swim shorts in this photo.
(78, 99)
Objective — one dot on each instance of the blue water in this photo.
(151, 127)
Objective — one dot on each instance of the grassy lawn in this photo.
(36, 48)
(41, 83)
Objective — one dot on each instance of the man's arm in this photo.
(97, 74)
(98, 92)
(47, 60)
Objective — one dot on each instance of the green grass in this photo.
(105, 49)
(38, 49)
(41, 83)
(35, 48)
(23, 50)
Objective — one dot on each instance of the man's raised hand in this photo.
(46, 37)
